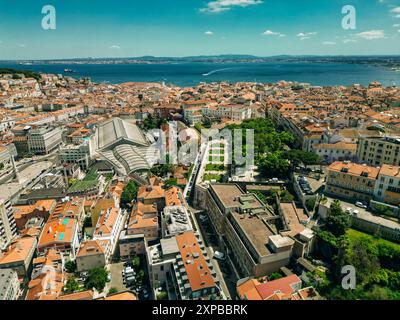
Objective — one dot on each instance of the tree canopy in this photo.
(97, 278)
(130, 193)
(71, 286)
(299, 156)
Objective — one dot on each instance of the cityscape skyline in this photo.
(179, 29)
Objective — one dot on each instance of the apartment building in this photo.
(387, 186)
(379, 150)
(76, 154)
(131, 245)
(175, 220)
(44, 140)
(19, 255)
(194, 274)
(144, 220)
(60, 234)
(376, 225)
(108, 227)
(8, 227)
(246, 229)
(182, 262)
(339, 151)
(286, 288)
(9, 284)
(48, 268)
(39, 209)
(92, 254)
(232, 112)
(96, 207)
(152, 194)
(351, 181)
(194, 113)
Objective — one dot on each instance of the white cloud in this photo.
(349, 40)
(371, 35)
(22, 45)
(328, 43)
(395, 10)
(115, 46)
(306, 35)
(218, 6)
(209, 33)
(272, 33)
(396, 25)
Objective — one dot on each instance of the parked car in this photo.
(219, 255)
(130, 279)
(349, 210)
(203, 218)
(361, 205)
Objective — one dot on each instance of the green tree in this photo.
(377, 293)
(310, 203)
(300, 156)
(140, 277)
(162, 295)
(97, 278)
(273, 165)
(136, 263)
(364, 259)
(112, 291)
(87, 223)
(130, 193)
(163, 170)
(275, 276)
(338, 221)
(70, 266)
(153, 123)
(71, 286)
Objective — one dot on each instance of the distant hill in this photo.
(15, 73)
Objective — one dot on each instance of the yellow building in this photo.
(351, 180)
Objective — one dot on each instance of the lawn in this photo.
(91, 175)
(209, 177)
(357, 235)
(215, 167)
(90, 181)
(216, 158)
(217, 151)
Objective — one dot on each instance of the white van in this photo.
(219, 255)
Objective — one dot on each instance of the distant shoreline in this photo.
(317, 72)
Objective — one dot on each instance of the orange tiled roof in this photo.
(197, 271)
(354, 169)
(19, 250)
(91, 247)
(58, 231)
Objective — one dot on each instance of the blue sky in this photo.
(127, 28)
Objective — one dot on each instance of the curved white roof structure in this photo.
(122, 144)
